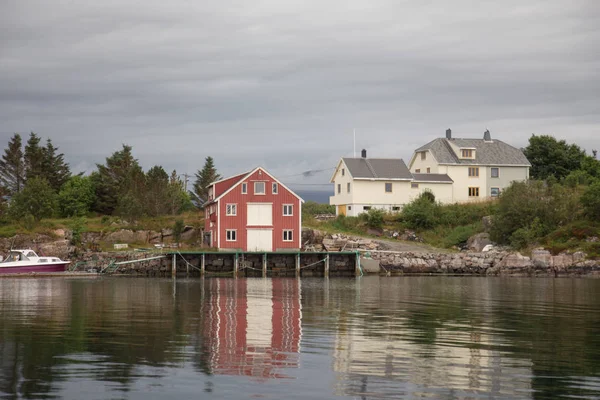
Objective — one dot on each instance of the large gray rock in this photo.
(541, 258)
(127, 236)
(478, 242)
(515, 261)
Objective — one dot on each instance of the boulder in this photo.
(374, 231)
(478, 242)
(541, 258)
(127, 236)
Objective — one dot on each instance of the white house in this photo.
(479, 168)
(454, 170)
(384, 183)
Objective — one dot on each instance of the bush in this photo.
(420, 213)
(535, 207)
(37, 199)
(312, 208)
(374, 218)
(591, 201)
(178, 230)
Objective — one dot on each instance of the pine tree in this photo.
(204, 178)
(56, 171)
(34, 158)
(116, 182)
(12, 167)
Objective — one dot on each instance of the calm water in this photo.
(366, 338)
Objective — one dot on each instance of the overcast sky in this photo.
(283, 84)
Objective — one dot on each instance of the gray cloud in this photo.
(283, 84)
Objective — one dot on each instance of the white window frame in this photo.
(492, 192)
(348, 187)
(339, 188)
(244, 188)
(231, 209)
(264, 192)
(497, 172)
(343, 171)
(386, 186)
(274, 188)
(414, 185)
(231, 235)
(291, 210)
(288, 235)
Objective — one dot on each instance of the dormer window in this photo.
(467, 153)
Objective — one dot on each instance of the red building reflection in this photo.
(252, 327)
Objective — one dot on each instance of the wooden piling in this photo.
(297, 265)
(264, 265)
(326, 271)
(174, 268)
(236, 265)
(202, 264)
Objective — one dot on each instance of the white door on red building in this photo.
(260, 214)
(259, 240)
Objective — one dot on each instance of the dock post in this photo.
(235, 265)
(264, 265)
(202, 264)
(174, 268)
(326, 272)
(297, 265)
(357, 269)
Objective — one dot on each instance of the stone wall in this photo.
(491, 263)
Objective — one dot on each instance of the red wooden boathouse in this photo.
(253, 212)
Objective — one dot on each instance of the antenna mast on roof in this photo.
(354, 143)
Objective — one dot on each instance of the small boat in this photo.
(22, 261)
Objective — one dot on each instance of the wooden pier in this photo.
(265, 264)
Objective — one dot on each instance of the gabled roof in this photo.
(377, 168)
(432, 178)
(243, 177)
(494, 152)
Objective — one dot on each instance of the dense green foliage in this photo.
(118, 187)
(550, 157)
(591, 201)
(76, 197)
(37, 199)
(312, 208)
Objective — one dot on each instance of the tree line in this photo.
(36, 182)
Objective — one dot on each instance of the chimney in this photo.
(487, 136)
(448, 134)
(363, 153)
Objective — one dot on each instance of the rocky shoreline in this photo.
(379, 257)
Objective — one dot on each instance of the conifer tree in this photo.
(205, 177)
(34, 158)
(55, 169)
(12, 167)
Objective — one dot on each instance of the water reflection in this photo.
(373, 337)
(252, 327)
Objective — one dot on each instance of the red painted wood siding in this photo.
(280, 222)
(221, 187)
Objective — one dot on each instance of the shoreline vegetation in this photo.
(558, 209)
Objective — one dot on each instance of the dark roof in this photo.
(432, 178)
(377, 168)
(494, 152)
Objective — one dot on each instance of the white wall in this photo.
(506, 175)
(422, 165)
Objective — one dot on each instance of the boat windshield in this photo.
(13, 256)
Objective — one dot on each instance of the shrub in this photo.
(420, 213)
(536, 207)
(311, 208)
(590, 199)
(374, 218)
(178, 230)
